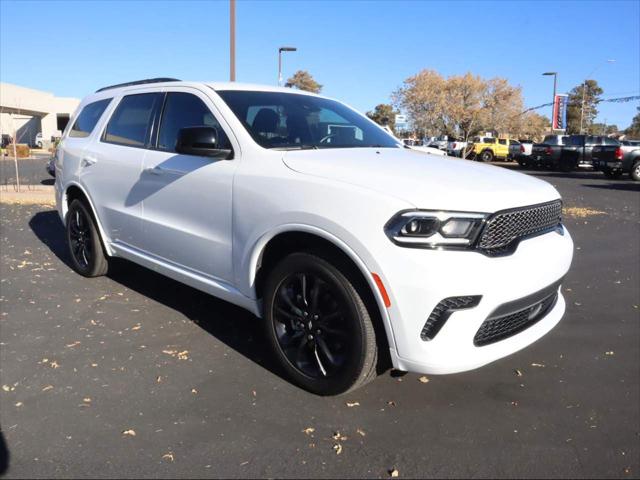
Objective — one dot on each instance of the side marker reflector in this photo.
(383, 291)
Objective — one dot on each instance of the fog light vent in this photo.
(443, 311)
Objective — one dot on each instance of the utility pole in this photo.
(232, 40)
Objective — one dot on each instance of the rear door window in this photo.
(132, 120)
(88, 118)
(183, 110)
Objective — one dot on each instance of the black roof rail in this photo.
(138, 82)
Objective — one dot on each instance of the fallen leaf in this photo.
(514, 403)
(48, 387)
(361, 432)
(517, 373)
(353, 404)
(541, 365)
(423, 379)
(86, 400)
(54, 365)
(337, 448)
(609, 354)
(158, 379)
(393, 473)
(183, 355)
(136, 327)
(6, 388)
(71, 345)
(19, 404)
(194, 391)
(168, 456)
(130, 432)
(309, 430)
(391, 403)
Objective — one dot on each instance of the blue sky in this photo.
(360, 51)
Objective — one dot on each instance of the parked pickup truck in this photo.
(580, 147)
(520, 150)
(548, 153)
(614, 160)
(487, 149)
(456, 147)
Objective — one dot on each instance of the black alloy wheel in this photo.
(85, 246)
(319, 326)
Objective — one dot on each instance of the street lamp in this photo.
(584, 88)
(280, 50)
(555, 81)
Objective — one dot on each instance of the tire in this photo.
(523, 164)
(39, 144)
(330, 316)
(486, 156)
(83, 241)
(613, 174)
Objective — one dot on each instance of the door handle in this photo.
(88, 161)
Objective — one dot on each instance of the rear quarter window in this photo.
(88, 118)
(130, 123)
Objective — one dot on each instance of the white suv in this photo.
(354, 250)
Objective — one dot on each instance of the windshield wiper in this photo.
(297, 147)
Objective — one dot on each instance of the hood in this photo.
(426, 181)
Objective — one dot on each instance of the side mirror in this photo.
(201, 141)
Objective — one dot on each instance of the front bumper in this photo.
(419, 279)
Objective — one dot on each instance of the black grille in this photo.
(443, 311)
(504, 229)
(499, 328)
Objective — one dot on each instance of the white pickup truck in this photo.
(520, 150)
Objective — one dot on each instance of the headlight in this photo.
(427, 229)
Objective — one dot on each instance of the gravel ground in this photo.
(135, 375)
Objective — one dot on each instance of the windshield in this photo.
(295, 121)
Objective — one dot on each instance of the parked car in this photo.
(349, 247)
(548, 153)
(520, 150)
(440, 143)
(456, 147)
(579, 148)
(38, 142)
(488, 149)
(6, 140)
(566, 153)
(614, 160)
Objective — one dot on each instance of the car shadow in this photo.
(4, 454)
(624, 187)
(48, 181)
(232, 325)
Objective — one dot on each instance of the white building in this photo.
(25, 112)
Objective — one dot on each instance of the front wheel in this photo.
(318, 326)
(83, 240)
(635, 172)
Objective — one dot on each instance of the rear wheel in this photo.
(318, 326)
(612, 173)
(486, 156)
(635, 172)
(84, 243)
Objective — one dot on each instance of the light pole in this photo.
(584, 88)
(280, 50)
(553, 103)
(232, 40)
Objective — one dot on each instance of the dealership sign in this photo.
(560, 111)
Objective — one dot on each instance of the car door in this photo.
(502, 148)
(187, 199)
(113, 164)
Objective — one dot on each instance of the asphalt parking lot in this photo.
(135, 375)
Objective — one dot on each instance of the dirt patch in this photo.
(41, 195)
